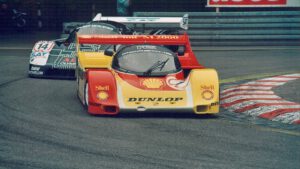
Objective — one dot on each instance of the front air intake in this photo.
(202, 108)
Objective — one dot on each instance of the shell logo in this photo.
(152, 83)
(207, 95)
(102, 95)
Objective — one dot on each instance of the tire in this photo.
(77, 86)
(86, 95)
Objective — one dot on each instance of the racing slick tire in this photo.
(86, 95)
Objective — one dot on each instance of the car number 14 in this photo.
(43, 46)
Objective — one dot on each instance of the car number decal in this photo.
(43, 46)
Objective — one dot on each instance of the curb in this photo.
(256, 98)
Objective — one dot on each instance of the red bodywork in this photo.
(187, 61)
(103, 80)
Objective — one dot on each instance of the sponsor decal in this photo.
(103, 88)
(177, 84)
(34, 68)
(207, 94)
(43, 46)
(167, 37)
(205, 87)
(36, 72)
(214, 104)
(154, 99)
(92, 48)
(102, 95)
(65, 61)
(39, 58)
(146, 47)
(152, 83)
(141, 37)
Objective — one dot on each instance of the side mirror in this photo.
(181, 50)
(109, 52)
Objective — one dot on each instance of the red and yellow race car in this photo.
(141, 73)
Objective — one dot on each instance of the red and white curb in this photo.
(256, 98)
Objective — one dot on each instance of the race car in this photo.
(139, 73)
(56, 58)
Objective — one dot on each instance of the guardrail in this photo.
(271, 28)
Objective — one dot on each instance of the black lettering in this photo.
(169, 99)
(151, 99)
(142, 99)
(178, 99)
(159, 99)
(132, 99)
(155, 99)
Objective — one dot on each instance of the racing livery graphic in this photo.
(57, 59)
(141, 73)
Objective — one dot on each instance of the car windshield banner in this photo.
(253, 3)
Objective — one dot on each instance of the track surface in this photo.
(43, 125)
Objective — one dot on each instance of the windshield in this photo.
(97, 29)
(102, 28)
(146, 60)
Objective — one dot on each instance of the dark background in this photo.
(55, 12)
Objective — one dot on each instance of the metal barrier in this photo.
(272, 28)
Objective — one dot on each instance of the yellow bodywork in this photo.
(93, 60)
(88, 60)
(201, 95)
(163, 98)
(205, 88)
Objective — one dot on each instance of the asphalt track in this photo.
(43, 125)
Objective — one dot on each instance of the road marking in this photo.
(265, 128)
(294, 133)
(15, 48)
(256, 98)
(256, 76)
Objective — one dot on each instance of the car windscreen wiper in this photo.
(157, 65)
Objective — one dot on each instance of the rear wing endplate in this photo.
(182, 21)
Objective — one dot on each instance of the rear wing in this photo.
(68, 27)
(134, 39)
(181, 21)
(188, 60)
